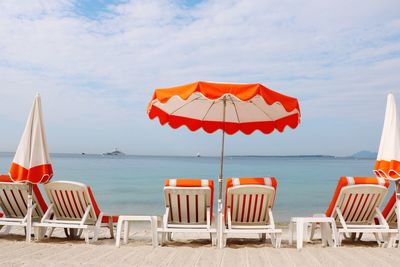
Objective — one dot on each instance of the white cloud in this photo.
(339, 58)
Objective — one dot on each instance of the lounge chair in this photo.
(13, 202)
(73, 206)
(354, 205)
(248, 208)
(390, 215)
(188, 208)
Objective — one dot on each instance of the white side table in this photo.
(326, 232)
(129, 219)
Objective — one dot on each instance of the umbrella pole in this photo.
(398, 207)
(29, 214)
(220, 178)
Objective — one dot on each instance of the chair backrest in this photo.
(389, 212)
(70, 200)
(188, 200)
(14, 199)
(249, 199)
(358, 198)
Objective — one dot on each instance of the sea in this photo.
(134, 184)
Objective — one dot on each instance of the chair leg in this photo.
(169, 236)
(86, 234)
(213, 239)
(312, 231)
(111, 227)
(278, 240)
(96, 234)
(6, 229)
(39, 232)
(273, 240)
(51, 230)
(359, 236)
(263, 236)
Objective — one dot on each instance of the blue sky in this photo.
(96, 64)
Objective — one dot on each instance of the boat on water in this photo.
(198, 155)
(116, 152)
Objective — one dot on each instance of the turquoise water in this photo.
(133, 184)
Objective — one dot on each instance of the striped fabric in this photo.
(14, 197)
(356, 207)
(389, 212)
(71, 201)
(255, 206)
(185, 200)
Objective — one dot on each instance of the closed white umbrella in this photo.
(388, 160)
(31, 162)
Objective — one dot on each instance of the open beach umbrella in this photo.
(227, 107)
(388, 160)
(31, 162)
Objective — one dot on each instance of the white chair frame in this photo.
(189, 222)
(13, 201)
(361, 219)
(262, 221)
(68, 214)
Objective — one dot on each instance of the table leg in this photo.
(335, 234)
(126, 232)
(324, 233)
(291, 233)
(118, 237)
(299, 233)
(154, 231)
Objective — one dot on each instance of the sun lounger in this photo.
(248, 208)
(188, 208)
(354, 205)
(390, 214)
(13, 202)
(73, 206)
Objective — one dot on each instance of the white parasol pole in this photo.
(397, 206)
(220, 178)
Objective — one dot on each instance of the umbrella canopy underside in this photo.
(247, 108)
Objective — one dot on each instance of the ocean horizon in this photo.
(133, 184)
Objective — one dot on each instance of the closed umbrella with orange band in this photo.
(227, 107)
(31, 162)
(388, 160)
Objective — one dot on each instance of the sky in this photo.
(96, 64)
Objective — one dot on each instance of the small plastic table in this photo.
(126, 220)
(328, 236)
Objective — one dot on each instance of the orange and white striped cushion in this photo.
(38, 198)
(270, 181)
(193, 183)
(350, 180)
(232, 182)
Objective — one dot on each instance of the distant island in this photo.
(364, 155)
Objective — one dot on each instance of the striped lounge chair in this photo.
(73, 207)
(354, 206)
(13, 202)
(188, 208)
(390, 214)
(248, 208)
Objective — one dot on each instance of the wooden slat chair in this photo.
(188, 208)
(248, 208)
(73, 206)
(13, 202)
(354, 206)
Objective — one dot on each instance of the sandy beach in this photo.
(186, 250)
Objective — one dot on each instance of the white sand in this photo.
(186, 250)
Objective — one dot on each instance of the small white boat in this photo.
(116, 152)
(198, 155)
